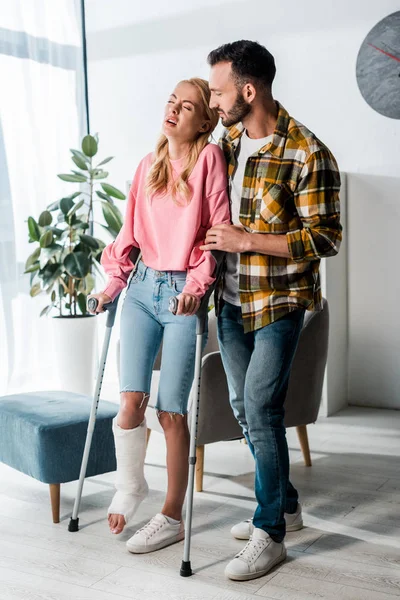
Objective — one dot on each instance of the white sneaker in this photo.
(257, 558)
(156, 534)
(244, 529)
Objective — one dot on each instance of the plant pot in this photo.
(75, 352)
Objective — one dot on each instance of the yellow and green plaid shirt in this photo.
(291, 187)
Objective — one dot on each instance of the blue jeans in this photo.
(257, 366)
(145, 322)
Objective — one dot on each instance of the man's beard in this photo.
(238, 112)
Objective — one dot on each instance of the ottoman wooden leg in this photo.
(55, 501)
(305, 448)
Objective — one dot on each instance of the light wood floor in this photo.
(349, 549)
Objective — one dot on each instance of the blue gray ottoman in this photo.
(43, 435)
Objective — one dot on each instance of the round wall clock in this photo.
(378, 67)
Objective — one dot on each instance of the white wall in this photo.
(137, 52)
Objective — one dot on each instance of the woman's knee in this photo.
(172, 422)
(132, 408)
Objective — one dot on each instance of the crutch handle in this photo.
(110, 307)
(203, 308)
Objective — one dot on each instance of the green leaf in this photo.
(32, 268)
(45, 310)
(53, 296)
(82, 248)
(79, 174)
(46, 239)
(99, 174)
(35, 290)
(48, 253)
(101, 244)
(32, 259)
(80, 163)
(82, 303)
(89, 145)
(66, 204)
(80, 225)
(33, 276)
(89, 283)
(34, 230)
(75, 207)
(105, 197)
(80, 155)
(53, 205)
(113, 191)
(105, 161)
(112, 216)
(57, 231)
(45, 218)
(72, 178)
(50, 273)
(77, 264)
(90, 241)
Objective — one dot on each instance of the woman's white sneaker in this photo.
(244, 529)
(257, 558)
(158, 533)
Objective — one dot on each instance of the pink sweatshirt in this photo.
(169, 235)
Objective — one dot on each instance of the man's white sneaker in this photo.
(244, 529)
(257, 558)
(156, 534)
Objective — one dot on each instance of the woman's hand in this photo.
(102, 299)
(187, 304)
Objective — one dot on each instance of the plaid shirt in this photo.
(291, 187)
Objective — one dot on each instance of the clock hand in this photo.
(384, 52)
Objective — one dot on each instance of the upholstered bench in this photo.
(42, 434)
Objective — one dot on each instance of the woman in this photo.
(178, 193)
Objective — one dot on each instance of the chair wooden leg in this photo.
(55, 501)
(199, 468)
(148, 437)
(305, 448)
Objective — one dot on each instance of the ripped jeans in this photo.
(145, 323)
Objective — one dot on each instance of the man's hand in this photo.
(187, 304)
(229, 238)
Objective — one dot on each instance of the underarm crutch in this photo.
(111, 309)
(186, 569)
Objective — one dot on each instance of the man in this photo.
(284, 185)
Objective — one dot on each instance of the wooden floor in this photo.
(349, 549)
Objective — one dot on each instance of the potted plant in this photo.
(66, 258)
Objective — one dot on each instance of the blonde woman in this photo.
(178, 193)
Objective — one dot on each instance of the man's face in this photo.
(225, 96)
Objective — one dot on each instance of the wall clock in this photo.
(378, 67)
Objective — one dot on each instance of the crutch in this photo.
(111, 309)
(186, 569)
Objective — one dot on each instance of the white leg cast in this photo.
(130, 483)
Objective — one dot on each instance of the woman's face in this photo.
(184, 116)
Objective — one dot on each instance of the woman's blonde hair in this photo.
(159, 178)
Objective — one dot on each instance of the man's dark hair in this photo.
(250, 62)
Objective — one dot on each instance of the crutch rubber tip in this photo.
(186, 569)
(73, 524)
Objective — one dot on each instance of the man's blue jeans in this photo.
(257, 366)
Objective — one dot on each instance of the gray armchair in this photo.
(216, 420)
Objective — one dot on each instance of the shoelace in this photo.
(252, 549)
(151, 527)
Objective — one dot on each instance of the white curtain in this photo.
(41, 116)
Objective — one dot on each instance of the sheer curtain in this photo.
(41, 116)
